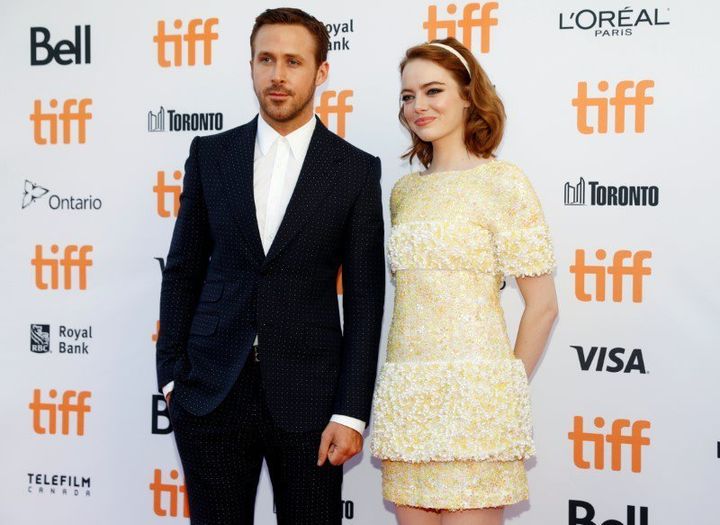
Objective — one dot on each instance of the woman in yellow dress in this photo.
(452, 412)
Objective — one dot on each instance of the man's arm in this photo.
(184, 271)
(363, 299)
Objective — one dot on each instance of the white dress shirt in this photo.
(276, 168)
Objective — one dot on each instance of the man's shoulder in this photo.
(229, 135)
(348, 150)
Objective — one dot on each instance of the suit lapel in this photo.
(315, 180)
(237, 166)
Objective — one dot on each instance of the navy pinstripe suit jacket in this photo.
(219, 288)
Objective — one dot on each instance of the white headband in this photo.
(454, 52)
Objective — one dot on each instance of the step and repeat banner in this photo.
(612, 114)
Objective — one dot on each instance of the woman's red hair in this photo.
(486, 115)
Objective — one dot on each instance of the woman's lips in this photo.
(424, 121)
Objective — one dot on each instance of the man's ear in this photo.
(322, 73)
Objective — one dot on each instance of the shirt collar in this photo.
(299, 140)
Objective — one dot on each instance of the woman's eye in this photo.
(405, 98)
(434, 91)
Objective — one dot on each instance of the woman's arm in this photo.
(541, 310)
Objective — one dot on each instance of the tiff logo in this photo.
(340, 109)
(72, 111)
(66, 407)
(168, 506)
(74, 256)
(191, 37)
(617, 271)
(467, 23)
(619, 102)
(617, 440)
(163, 190)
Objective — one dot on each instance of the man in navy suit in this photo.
(250, 355)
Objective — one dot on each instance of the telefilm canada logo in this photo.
(58, 484)
(33, 192)
(70, 340)
(609, 23)
(172, 120)
(592, 193)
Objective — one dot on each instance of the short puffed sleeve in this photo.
(523, 246)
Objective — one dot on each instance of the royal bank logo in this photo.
(58, 484)
(33, 192)
(172, 120)
(70, 340)
(40, 338)
(340, 35)
(609, 23)
(576, 194)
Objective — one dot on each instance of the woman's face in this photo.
(431, 101)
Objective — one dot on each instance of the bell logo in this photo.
(617, 270)
(172, 490)
(72, 402)
(620, 101)
(72, 111)
(467, 23)
(74, 256)
(163, 190)
(577, 506)
(340, 109)
(192, 36)
(617, 438)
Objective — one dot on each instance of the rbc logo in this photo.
(467, 23)
(40, 38)
(619, 102)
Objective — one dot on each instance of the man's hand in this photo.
(338, 444)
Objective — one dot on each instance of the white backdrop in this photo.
(658, 61)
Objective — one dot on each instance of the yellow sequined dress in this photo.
(452, 420)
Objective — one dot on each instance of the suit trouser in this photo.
(222, 454)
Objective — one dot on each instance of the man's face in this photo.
(284, 72)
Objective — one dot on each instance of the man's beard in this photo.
(289, 108)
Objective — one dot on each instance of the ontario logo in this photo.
(33, 192)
